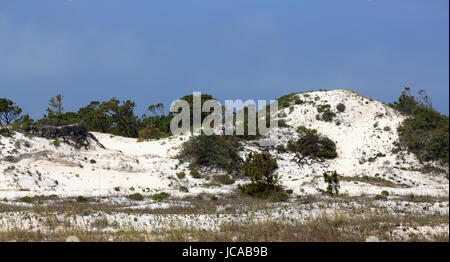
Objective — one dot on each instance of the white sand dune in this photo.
(125, 166)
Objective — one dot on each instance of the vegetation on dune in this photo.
(425, 131)
(9, 111)
(260, 168)
(311, 144)
(215, 150)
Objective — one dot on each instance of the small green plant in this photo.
(384, 193)
(160, 196)
(92, 161)
(183, 189)
(117, 189)
(195, 174)
(279, 196)
(27, 199)
(226, 180)
(214, 198)
(136, 197)
(56, 142)
(81, 199)
(311, 144)
(181, 175)
(332, 181)
(380, 197)
(280, 148)
(340, 107)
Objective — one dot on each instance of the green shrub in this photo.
(160, 196)
(150, 132)
(214, 150)
(225, 179)
(260, 190)
(280, 148)
(260, 168)
(195, 174)
(27, 199)
(92, 161)
(181, 175)
(56, 142)
(279, 196)
(384, 193)
(214, 198)
(311, 144)
(282, 123)
(136, 197)
(340, 107)
(425, 131)
(81, 199)
(184, 189)
(117, 189)
(332, 181)
(380, 197)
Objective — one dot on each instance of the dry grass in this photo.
(322, 229)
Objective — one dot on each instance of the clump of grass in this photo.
(92, 161)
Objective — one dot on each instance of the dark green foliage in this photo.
(136, 197)
(181, 175)
(384, 193)
(9, 111)
(340, 107)
(184, 189)
(190, 100)
(260, 189)
(288, 100)
(311, 144)
(332, 181)
(160, 196)
(225, 179)
(279, 196)
(322, 108)
(425, 131)
(282, 123)
(325, 113)
(27, 199)
(195, 174)
(56, 142)
(260, 168)
(281, 148)
(214, 150)
(81, 199)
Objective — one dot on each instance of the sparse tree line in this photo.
(112, 116)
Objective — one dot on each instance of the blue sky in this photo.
(157, 51)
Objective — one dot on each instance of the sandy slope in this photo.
(148, 167)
